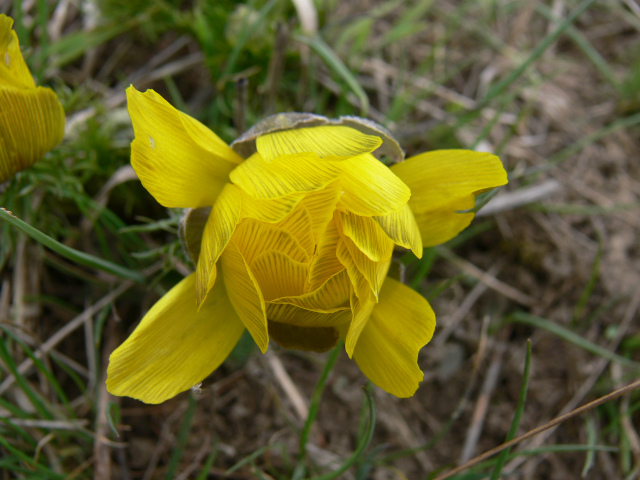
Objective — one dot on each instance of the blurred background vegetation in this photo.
(552, 87)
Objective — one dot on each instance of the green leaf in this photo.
(70, 253)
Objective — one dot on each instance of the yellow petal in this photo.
(370, 188)
(245, 144)
(269, 210)
(334, 293)
(360, 267)
(303, 172)
(309, 339)
(245, 295)
(302, 317)
(387, 351)
(31, 124)
(361, 285)
(361, 310)
(218, 230)
(253, 237)
(443, 182)
(367, 235)
(436, 178)
(324, 141)
(205, 138)
(175, 346)
(13, 69)
(178, 160)
(401, 227)
(299, 224)
(325, 263)
(442, 224)
(321, 205)
(171, 183)
(278, 275)
(390, 146)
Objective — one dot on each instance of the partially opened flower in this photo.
(292, 229)
(31, 118)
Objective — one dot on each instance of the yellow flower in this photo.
(31, 118)
(292, 238)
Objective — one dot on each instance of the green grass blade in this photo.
(256, 471)
(68, 48)
(182, 439)
(361, 447)
(566, 448)
(20, 431)
(43, 14)
(75, 378)
(334, 63)
(112, 412)
(410, 23)
(583, 44)
(502, 458)
(48, 473)
(540, 49)
(246, 32)
(40, 366)
(166, 224)
(589, 460)
(13, 409)
(442, 286)
(211, 459)
(560, 448)
(18, 24)
(572, 337)
(505, 101)
(429, 256)
(313, 409)
(591, 284)
(249, 459)
(471, 231)
(71, 253)
(110, 220)
(369, 462)
(22, 382)
(585, 141)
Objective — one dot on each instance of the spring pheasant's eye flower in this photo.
(31, 118)
(291, 229)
